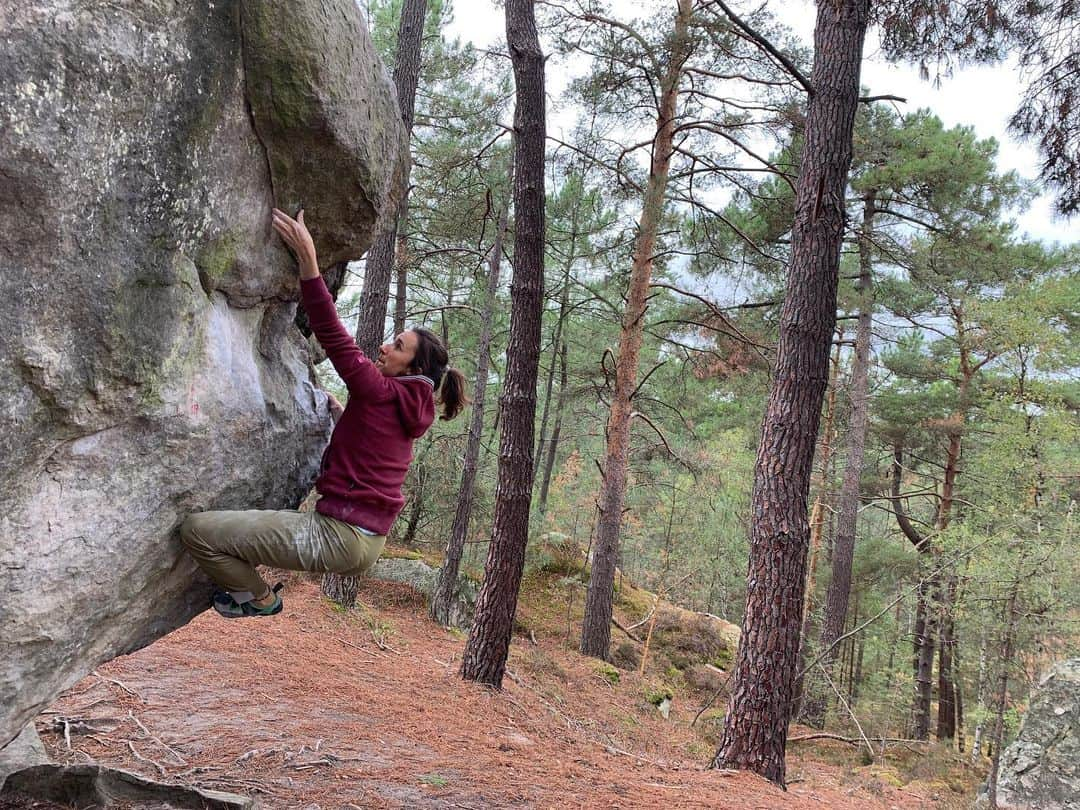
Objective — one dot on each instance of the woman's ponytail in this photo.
(431, 359)
(452, 393)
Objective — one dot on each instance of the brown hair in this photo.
(431, 359)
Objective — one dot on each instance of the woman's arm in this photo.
(357, 371)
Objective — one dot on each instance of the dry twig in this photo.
(141, 758)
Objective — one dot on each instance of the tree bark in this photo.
(596, 625)
(1007, 641)
(553, 444)
(484, 658)
(812, 707)
(401, 268)
(836, 600)
(925, 611)
(380, 259)
(556, 345)
(755, 729)
(446, 587)
(946, 720)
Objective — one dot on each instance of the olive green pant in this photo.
(228, 546)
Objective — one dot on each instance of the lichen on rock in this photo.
(1041, 769)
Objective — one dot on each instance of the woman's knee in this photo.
(191, 534)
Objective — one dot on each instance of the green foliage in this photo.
(607, 672)
(974, 332)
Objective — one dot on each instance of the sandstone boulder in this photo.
(149, 362)
(1041, 769)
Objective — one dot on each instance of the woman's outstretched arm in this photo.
(356, 370)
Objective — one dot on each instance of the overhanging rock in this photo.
(149, 365)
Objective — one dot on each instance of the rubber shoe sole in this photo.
(229, 608)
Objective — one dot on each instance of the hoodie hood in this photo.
(415, 401)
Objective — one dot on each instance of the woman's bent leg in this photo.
(228, 545)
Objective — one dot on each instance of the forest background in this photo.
(962, 575)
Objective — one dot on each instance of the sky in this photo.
(982, 97)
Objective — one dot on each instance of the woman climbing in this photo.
(391, 404)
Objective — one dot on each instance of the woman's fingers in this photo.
(297, 237)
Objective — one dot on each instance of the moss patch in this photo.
(607, 672)
(215, 259)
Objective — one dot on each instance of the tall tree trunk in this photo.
(484, 658)
(556, 343)
(923, 643)
(755, 729)
(980, 696)
(836, 600)
(380, 258)
(946, 720)
(553, 444)
(958, 694)
(596, 626)
(926, 613)
(1007, 643)
(946, 593)
(446, 587)
(812, 707)
(417, 510)
(401, 268)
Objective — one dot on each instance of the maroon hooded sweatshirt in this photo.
(365, 464)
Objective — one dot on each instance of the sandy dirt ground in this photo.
(318, 708)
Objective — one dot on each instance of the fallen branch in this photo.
(122, 685)
(626, 630)
(648, 616)
(141, 758)
(164, 745)
(856, 741)
(850, 711)
(362, 649)
(711, 700)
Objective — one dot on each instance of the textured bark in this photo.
(401, 268)
(596, 626)
(556, 432)
(416, 510)
(371, 321)
(556, 345)
(755, 729)
(812, 707)
(484, 658)
(836, 600)
(946, 719)
(446, 587)
(925, 632)
(1009, 622)
(380, 259)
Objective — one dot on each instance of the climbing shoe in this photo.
(231, 609)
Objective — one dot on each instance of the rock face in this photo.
(1041, 769)
(149, 365)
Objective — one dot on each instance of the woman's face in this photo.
(396, 358)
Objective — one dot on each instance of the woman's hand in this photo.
(296, 235)
(335, 407)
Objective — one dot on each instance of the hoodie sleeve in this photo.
(357, 371)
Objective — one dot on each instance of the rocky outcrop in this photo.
(1041, 769)
(421, 577)
(96, 786)
(149, 365)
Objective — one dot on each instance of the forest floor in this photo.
(318, 708)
